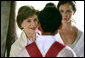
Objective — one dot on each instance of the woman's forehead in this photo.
(32, 17)
(65, 6)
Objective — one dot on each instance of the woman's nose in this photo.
(33, 24)
(64, 15)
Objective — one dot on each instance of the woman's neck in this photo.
(31, 37)
(68, 34)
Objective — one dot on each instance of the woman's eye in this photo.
(61, 11)
(68, 11)
(28, 20)
(35, 19)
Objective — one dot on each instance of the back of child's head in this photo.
(50, 19)
(50, 5)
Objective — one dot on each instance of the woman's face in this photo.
(66, 11)
(30, 24)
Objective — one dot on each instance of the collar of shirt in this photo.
(28, 41)
(44, 42)
(58, 38)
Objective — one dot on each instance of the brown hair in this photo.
(23, 13)
(72, 3)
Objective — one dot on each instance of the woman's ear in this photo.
(22, 25)
(60, 26)
(73, 12)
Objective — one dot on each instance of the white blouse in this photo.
(78, 45)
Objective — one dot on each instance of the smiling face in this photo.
(30, 24)
(66, 11)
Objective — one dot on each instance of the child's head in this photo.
(50, 19)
